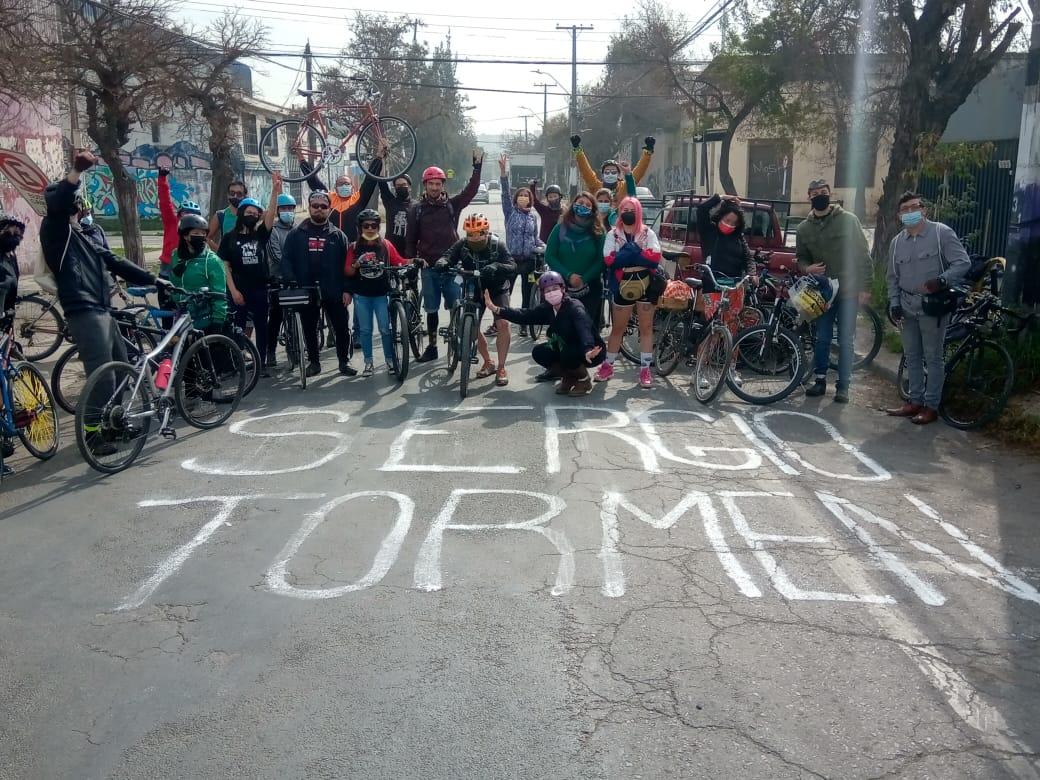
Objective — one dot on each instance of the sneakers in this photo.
(430, 353)
(313, 368)
(272, 361)
(646, 379)
(549, 375)
(369, 370)
(605, 372)
(582, 385)
(819, 387)
(6, 471)
(841, 394)
(347, 370)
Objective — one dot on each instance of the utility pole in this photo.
(309, 73)
(527, 138)
(573, 118)
(545, 125)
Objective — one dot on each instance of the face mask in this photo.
(581, 210)
(554, 203)
(250, 221)
(820, 202)
(9, 243)
(604, 208)
(629, 218)
(523, 202)
(370, 235)
(726, 229)
(87, 221)
(402, 192)
(911, 218)
(286, 217)
(234, 201)
(554, 297)
(344, 190)
(610, 178)
(197, 244)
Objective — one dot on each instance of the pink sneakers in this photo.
(646, 380)
(605, 372)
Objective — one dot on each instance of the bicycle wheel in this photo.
(766, 364)
(112, 418)
(301, 346)
(535, 299)
(630, 341)
(401, 147)
(67, 379)
(34, 415)
(452, 339)
(415, 328)
(978, 384)
(399, 337)
(251, 359)
(670, 344)
(467, 338)
(38, 326)
(210, 380)
(285, 143)
(713, 361)
(903, 379)
(867, 343)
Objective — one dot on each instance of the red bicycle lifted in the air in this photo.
(285, 144)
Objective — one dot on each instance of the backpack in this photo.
(451, 213)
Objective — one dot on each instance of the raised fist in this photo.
(163, 172)
(84, 160)
(649, 142)
(576, 141)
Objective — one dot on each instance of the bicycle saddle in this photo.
(696, 284)
(139, 292)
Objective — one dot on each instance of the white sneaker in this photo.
(369, 370)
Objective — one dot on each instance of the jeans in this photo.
(256, 306)
(436, 286)
(365, 308)
(99, 342)
(844, 311)
(568, 358)
(336, 316)
(923, 338)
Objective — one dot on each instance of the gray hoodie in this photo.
(274, 249)
(914, 260)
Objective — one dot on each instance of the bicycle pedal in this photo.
(442, 332)
(168, 433)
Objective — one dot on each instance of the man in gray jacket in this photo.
(926, 257)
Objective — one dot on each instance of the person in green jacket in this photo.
(831, 242)
(195, 266)
(575, 251)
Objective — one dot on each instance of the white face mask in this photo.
(610, 178)
(554, 297)
(345, 190)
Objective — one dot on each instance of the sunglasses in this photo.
(370, 226)
(320, 206)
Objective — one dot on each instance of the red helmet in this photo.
(433, 172)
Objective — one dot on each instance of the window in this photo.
(250, 143)
(844, 176)
(155, 132)
(272, 143)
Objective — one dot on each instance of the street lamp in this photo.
(543, 73)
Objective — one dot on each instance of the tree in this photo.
(208, 90)
(944, 49)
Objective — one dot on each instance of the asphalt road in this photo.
(372, 581)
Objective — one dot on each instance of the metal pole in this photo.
(573, 114)
(310, 73)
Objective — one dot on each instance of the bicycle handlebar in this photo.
(706, 269)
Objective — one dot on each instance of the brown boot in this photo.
(567, 382)
(925, 416)
(906, 410)
(582, 384)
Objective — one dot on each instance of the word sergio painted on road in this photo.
(640, 434)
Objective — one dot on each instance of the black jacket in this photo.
(571, 324)
(396, 217)
(433, 226)
(346, 220)
(493, 261)
(78, 264)
(315, 254)
(8, 281)
(730, 255)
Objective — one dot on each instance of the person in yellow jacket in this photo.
(610, 172)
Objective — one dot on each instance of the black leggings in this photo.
(274, 323)
(569, 358)
(524, 269)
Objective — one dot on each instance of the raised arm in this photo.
(503, 179)
(464, 198)
(167, 212)
(272, 203)
(312, 177)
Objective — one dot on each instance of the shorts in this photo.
(500, 299)
(653, 291)
(436, 286)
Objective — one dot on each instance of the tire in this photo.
(34, 409)
(399, 335)
(39, 327)
(453, 337)
(767, 360)
(68, 378)
(210, 381)
(292, 345)
(903, 379)
(97, 414)
(670, 344)
(402, 147)
(713, 361)
(536, 298)
(414, 328)
(466, 340)
(979, 380)
(630, 341)
(251, 359)
(292, 135)
(869, 333)
(301, 347)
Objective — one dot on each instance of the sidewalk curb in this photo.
(885, 371)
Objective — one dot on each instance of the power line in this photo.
(463, 60)
(384, 11)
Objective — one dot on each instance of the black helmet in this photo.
(7, 220)
(191, 222)
(369, 215)
(609, 164)
(404, 176)
(554, 188)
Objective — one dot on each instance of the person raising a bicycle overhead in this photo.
(433, 227)
(483, 251)
(313, 255)
(346, 202)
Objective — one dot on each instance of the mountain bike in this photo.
(461, 333)
(39, 326)
(535, 298)
(293, 301)
(203, 381)
(405, 319)
(284, 144)
(28, 407)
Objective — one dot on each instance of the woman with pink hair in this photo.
(632, 253)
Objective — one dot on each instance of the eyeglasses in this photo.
(370, 226)
(319, 206)
(911, 206)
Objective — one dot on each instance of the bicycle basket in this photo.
(676, 296)
(731, 317)
(297, 297)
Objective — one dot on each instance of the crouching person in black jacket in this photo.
(573, 345)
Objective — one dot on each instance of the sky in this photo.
(500, 30)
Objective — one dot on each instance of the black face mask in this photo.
(197, 245)
(629, 218)
(250, 221)
(820, 202)
(234, 201)
(9, 243)
(402, 192)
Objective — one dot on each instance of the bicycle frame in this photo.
(316, 118)
(7, 419)
(182, 327)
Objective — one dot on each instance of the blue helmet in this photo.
(246, 203)
(189, 207)
(285, 199)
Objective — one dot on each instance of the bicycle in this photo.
(28, 407)
(293, 301)
(39, 326)
(285, 144)
(120, 400)
(461, 333)
(405, 321)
